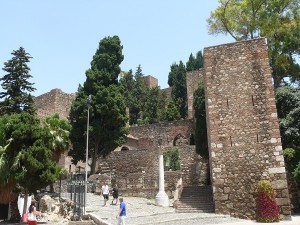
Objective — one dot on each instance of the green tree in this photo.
(26, 161)
(195, 63)
(5, 164)
(144, 103)
(108, 118)
(59, 130)
(200, 137)
(16, 95)
(31, 143)
(151, 110)
(177, 80)
(172, 112)
(278, 21)
(288, 107)
(171, 159)
(162, 106)
(140, 93)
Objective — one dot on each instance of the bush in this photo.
(171, 159)
(267, 209)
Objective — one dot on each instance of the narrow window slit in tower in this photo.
(227, 104)
(257, 137)
(230, 141)
(252, 100)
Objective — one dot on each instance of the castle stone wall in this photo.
(193, 79)
(136, 171)
(166, 131)
(194, 168)
(243, 131)
(167, 93)
(150, 81)
(53, 102)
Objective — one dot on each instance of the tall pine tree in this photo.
(107, 128)
(15, 83)
(177, 80)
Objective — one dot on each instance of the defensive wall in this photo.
(243, 132)
(166, 132)
(193, 78)
(136, 171)
(53, 102)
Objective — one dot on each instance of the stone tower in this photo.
(243, 132)
(53, 102)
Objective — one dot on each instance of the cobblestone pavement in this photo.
(141, 211)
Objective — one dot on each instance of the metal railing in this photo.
(76, 193)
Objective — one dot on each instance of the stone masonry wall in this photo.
(194, 168)
(136, 171)
(243, 131)
(166, 131)
(53, 102)
(150, 81)
(192, 81)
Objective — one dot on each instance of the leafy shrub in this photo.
(171, 159)
(267, 209)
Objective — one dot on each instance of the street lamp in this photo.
(87, 149)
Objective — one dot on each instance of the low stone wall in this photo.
(136, 171)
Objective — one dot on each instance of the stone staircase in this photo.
(104, 168)
(195, 199)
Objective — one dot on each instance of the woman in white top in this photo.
(32, 213)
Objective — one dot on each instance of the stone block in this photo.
(283, 201)
(221, 197)
(273, 170)
(218, 182)
(279, 184)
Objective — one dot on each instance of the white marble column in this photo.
(161, 198)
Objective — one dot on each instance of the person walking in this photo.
(105, 192)
(121, 213)
(115, 194)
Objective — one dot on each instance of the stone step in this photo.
(180, 203)
(193, 210)
(196, 199)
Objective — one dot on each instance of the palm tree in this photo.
(59, 130)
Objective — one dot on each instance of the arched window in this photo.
(179, 140)
(124, 148)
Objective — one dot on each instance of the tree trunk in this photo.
(94, 158)
(277, 81)
(94, 162)
(25, 205)
(14, 211)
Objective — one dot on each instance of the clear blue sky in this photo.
(63, 35)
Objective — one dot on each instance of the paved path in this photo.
(141, 211)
